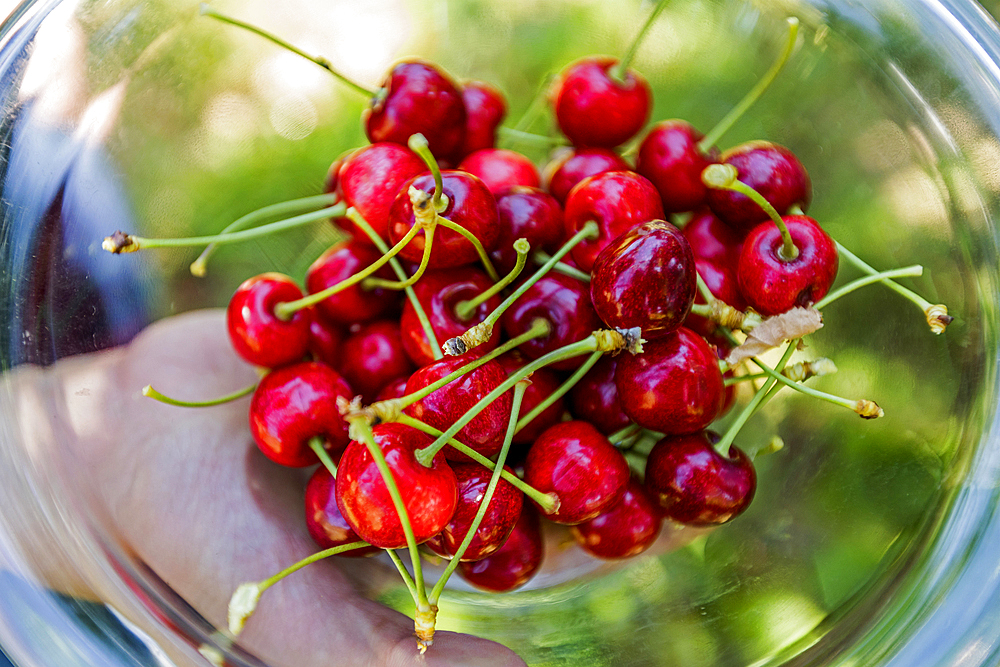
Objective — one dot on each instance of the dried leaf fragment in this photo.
(774, 331)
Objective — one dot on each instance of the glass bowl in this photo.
(868, 543)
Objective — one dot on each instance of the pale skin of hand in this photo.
(190, 495)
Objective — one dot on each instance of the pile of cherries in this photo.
(614, 347)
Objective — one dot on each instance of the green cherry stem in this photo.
(149, 392)
(561, 390)
(617, 72)
(465, 309)
(198, 266)
(425, 258)
(624, 434)
(905, 272)
(418, 144)
(319, 447)
(534, 109)
(516, 135)
(484, 257)
(403, 572)
(319, 60)
(541, 257)
(755, 93)
(865, 408)
(519, 389)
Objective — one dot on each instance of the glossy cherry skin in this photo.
(562, 300)
(695, 485)
(543, 384)
(255, 331)
(721, 282)
(576, 462)
(771, 170)
(395, 388)
(592, 109)
(774, 285)
(440, 292)
(325, 339)
(372, 357)
(595, 398)
(417, 97)
(355, 303)
(670, 158)
(369, 180)
(674, 386)
(293, 404)
(576, 164)
(470, 204)
(445, 406)
(485, 109)
(645, 278)
(617, 201)
(530, 214)
(513, 564)
(501, 515)
(625, 529)
(325, 523)
(430, 494)
(501, 169)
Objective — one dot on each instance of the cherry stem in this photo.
(425, 258)
(318, 446)
(198, 266)
(403, 572)
(755, 93)
(465, 309)
(530, 137)
(536, 107)
(480, 250)
(397, 268)
(867, 409)
(319, 60)
(120, 242)
(418, 144)
(149, 392)
(519, 389)
(541, 257)
(561, 390)
(624, 433)
(617, 72)
(725, 177)
(546, 501)
(905, 272)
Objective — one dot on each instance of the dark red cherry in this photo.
(470, 204)
(513, 564)
(501, 514)
(294, 404)
(440, 292)
(772, 284)
(325, 523)
(563, 301)
(444, 407)
(721, 282)
(485, 109)
(695, 485)
(325, 339)
(595, 398)
(372, 357)
(430, 494)
(576, 164)
(355, 303)
(255, 331)
(369, 180)
(674, 386)
(712, 239)
(417, 97)
(670, 158)
(530, 214)
(625, 529)
(576, 462)
(645, 278)
(543, 384)
(617, 201)
(393, 389)
(501, 169)
(592, 109)
(771, 170)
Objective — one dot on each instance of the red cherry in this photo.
(430, 494)
(485, 109)
(712, 239)
(325, 340)
(772, 284)
(372, 357)
(578, 464)
(294, 404)
(513, 564)
(470, 204)
(393, 389)
(645, 278)
(617, 201)
(255, 331)
(595, 398)
(324, 521)
(501, 515)
(576, 164)
(695, 485)
(721, 282)
(771, 170)
(593, 109)
(625, 529)
(562, 300)
(674, 386)
(670, 158)
(416, 97)
(440, 292)
(543, 383)
(501, 169)
(530, 214)
(355, 303)
(445, 406)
